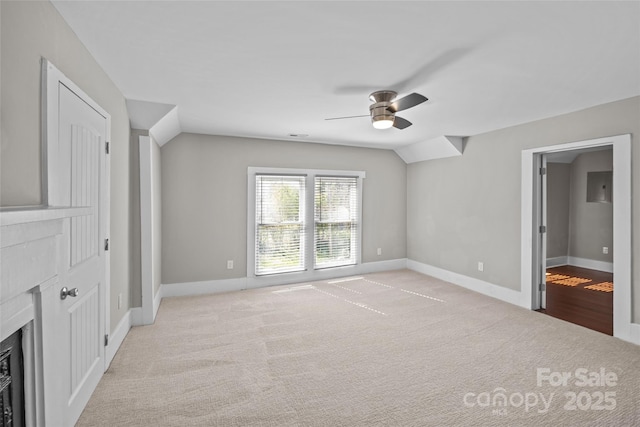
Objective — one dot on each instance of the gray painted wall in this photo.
(204, 199)
(591, 224)
(574, 227)
(29, 31)
(558, 202)
(467, 209)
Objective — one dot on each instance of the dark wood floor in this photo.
(575, 304)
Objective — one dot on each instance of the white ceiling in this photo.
(269, 69)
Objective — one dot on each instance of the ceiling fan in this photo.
(385, 106)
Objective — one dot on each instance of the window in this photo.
(336, 221)
(303, 220)
(279, 224)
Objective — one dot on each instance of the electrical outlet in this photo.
(379, 251)
(480, 266)
(605, 250)
(119, 301)
(230, 264)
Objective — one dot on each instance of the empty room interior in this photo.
(351, 213)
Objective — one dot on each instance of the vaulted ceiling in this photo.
(270, 69)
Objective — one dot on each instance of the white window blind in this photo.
(280, 224)
(335, 221)
(302, 220)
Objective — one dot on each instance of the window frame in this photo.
(355, 244)
(301, 223)
(309, 223)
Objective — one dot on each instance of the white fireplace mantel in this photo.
(29, 266)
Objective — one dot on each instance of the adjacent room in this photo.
(352, 213)
(579, 264)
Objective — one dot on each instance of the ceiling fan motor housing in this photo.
(379, 110)
(383, 96)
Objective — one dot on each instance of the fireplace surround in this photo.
(30, 244)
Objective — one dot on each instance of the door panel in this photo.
(85, 338)
(80, 320)
(85, 175)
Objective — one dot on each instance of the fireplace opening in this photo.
(12, 381)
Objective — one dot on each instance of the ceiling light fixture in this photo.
(382, 122)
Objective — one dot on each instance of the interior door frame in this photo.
(542, 233)
(52, 77)
(623, 326)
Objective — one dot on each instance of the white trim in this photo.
(204, 287)
(242, 283)
(136, 316)
(33, 391)
(557, 261)
(117, 337)
(156, 302)
(146, 229)
(13, 216)
(167, 128)
(439, 147)
(623, 327)
(499, 292)
(580, 262)
(590, 263)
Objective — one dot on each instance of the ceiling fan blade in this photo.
(427, 72)
(347, 117)
(407, 102)
(401, 123)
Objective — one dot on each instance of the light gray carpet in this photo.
(395, 348)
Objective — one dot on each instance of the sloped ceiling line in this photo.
(435, 148)
(161, 120)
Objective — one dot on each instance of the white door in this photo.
(78, 315)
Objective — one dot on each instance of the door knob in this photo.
(64, 292)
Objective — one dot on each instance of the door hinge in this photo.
(543, 228)
(106, 244)
(107, 147)
(543, 171)
(543, 287)
(106, 340)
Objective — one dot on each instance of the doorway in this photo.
(532, 245)
(577, 242)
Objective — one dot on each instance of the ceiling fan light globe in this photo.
(382, 122)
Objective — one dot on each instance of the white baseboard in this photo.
(580, 262)
(203, 287)
(590, 263)
(508, 295)
(242, 283)
(117, 337)
(557, 261)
